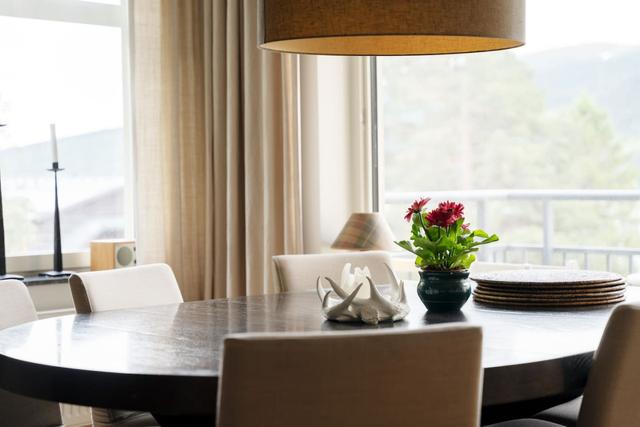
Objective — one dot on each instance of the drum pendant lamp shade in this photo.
(391, 27)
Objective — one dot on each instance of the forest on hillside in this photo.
(553, 120)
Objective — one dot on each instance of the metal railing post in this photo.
(482, 223)
(547, 248)
(547, 233)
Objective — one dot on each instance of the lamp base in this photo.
(57, 273)
(11, 277)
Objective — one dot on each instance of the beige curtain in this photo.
(216, 137)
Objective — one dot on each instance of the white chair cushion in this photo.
(17, 306)
(300, 272)
(145, 285)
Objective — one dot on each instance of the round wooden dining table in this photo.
(165, 359)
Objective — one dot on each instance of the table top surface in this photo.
(185, 340)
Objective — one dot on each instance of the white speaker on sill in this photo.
(112, 253)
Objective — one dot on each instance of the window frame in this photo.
(91, 13)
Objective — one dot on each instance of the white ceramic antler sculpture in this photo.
(371, 309)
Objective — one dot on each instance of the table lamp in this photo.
(365, 231)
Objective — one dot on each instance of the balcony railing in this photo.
(547, 252)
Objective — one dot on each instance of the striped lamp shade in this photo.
(365, 231)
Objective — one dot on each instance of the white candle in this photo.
(54, 143)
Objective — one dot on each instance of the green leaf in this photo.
(433, 233)
(490, 239)
(425, 254)
(421, 263)
(457, 226)
(470, 259)
(480, 233)
(406, 245)
(456, 263)
(425, 243)
(447, 243)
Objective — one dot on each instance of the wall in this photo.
(335, 146)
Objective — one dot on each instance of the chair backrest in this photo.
(141, 286)
(299, 272)
(428, 377)
(16, 307)
(611, 395)
(145, 285)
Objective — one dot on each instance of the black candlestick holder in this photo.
(58, 270)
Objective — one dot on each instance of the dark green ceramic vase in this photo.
(444, 291)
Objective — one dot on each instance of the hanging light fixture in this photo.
(391, 27)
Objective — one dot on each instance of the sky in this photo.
(63, 73)
(560, 23)
(71, 74)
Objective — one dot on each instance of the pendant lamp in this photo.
(391, 27)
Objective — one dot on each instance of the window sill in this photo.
(41, 280)
(31, 265)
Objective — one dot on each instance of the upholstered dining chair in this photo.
(16, 307)
(431, 376)
(610, 397)
(296, 273)
(140, 286)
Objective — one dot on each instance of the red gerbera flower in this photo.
(456, 209)
(416, 207)
(440, 217)
(446, 214)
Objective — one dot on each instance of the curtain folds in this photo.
(217, 145)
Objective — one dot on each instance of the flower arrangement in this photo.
(440, 239)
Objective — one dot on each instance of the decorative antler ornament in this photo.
(371, 310)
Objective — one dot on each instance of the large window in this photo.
(542, 142)
(62, 62)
